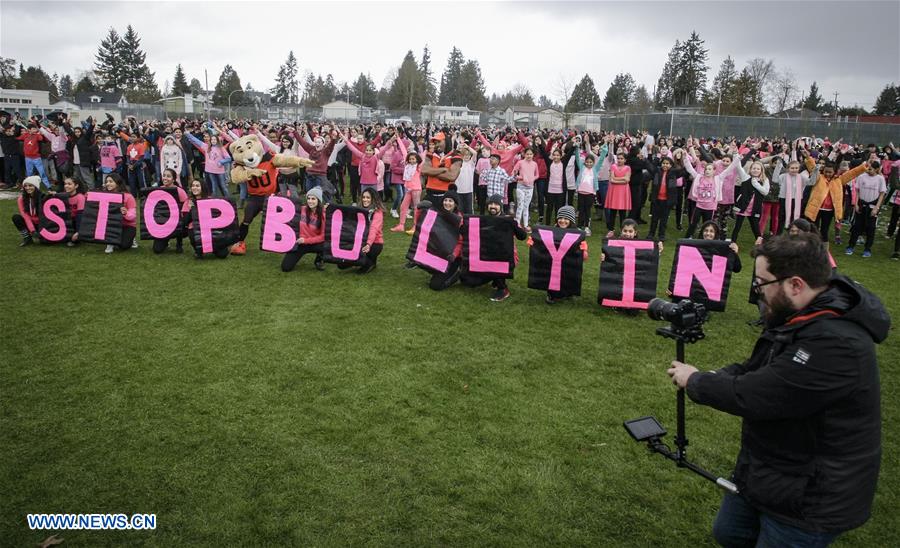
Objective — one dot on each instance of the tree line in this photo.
(757, 89)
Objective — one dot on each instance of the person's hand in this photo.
(602, 257)
(366, 248)
(124, 210)
(660, 246)
(300, 241)
(681, 373)
(856, 208)
(874, 212)
(75, 237)
(734, 247)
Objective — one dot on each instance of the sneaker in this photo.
(70, 244)
(410, 265)
(837, 239)
(587, 231)
(866, 254)
(353, 204)
(896, 256)
(239, 248)
(500, 295)
(109, 249)
(551, 300)
(366, 269)
(409, 215)
(134, 244)
(179, 249)
(394, 214)
(411, 231)
(849, 251)
(319, 264)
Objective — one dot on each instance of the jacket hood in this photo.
(854, 303)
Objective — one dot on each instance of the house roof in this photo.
(105, 97)
(531, 109)
(795, 112)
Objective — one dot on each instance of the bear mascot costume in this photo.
(257, 168)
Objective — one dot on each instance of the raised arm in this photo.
(197, 142)
(265, 141)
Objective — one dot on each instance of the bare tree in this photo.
(760, 69)
(782, 90)
(564, 86)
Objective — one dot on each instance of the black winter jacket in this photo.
(809, 397)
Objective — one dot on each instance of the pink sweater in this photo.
(526, 172)
(375, 228)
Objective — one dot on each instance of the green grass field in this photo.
(244, 406)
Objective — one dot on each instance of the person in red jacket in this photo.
(31, 147)
(29, 202)
(312, 232)
(370, 199)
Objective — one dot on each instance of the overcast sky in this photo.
(849, 47)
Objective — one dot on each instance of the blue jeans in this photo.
(217, 184)
(601, 193)
(313, 181)
(36, 164)
(399, 192)
(738, 524)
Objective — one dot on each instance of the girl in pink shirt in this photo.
(370, 200)
(412, 182)
(113, 183)
(526, 173)
(618, 196)
(168, 181)
(75, 190)
(706, 191)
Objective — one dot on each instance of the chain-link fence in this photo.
(703, 125)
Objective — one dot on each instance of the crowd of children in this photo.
(561, 177)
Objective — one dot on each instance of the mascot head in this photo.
(247, 151)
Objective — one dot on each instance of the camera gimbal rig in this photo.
(686, 327)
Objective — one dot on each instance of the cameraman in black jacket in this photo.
(809, 397)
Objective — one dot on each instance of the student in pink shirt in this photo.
(526, 173)
(483, 163)
(168, 181)
(113, 182)
(706, 191)
(370, 200)
(214, 166)
(75, 191)
(412, 183)
(110, 155)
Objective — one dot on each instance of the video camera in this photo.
(686, 319)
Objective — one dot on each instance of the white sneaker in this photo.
(394, 214)
(353, 204)
(134, 244)
(409, 215)
(109, 249)
(587, 231)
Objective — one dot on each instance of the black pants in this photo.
(638, 195)
(585, 201)
(220, 252)
(354, 183)
(753, 221)
(289, 182)
(436, 197)
(698, 216)
(679, 205)
(252, 208)
(823, 222)
(336, 176)
(554, 202)
(659, 209)
(611, 218)
(442, 280)
(161, 245)
(895, 216)
(292, 257)
(371, 258)
(864, 223)
(541, 188)
(478, 281)
(13, 169)
(481, 196)
(128, 235)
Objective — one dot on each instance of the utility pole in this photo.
(835, 105)
(719, 110)
(206, 93)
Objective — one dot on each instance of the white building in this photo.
(534, 117)
(342, 110)
(284, 113)
(30, 101)
(450, 114)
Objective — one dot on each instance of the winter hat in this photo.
(566, 212)
(495, 199)
(315, 191)
(33, 180)
(451, 193)
(424, 204)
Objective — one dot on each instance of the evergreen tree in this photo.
(451, 93)
(427, 76)
(363, 91)
(620, 93)
(66, 86)
(309, 90)
(35, 78)
(287, 88)
(109, 63)
(690, 81)
(84, 85)
(665, 87)
(813, 100)
(641, 103)
(196, 87)
(745, 97)
(179, 83)
(722, 88)
(888, 101)
(473, 86)
(408, 89)
(329, 90)
(584, 96)
(133, 61)
(229, 84)
(545, 102)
